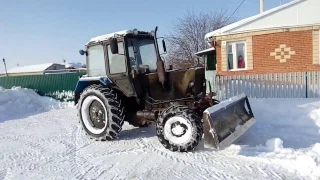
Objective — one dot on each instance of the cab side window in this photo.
(117, 62)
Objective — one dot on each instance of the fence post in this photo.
(306, 74)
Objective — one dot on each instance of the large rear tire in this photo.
(179, 129)
(101, 112)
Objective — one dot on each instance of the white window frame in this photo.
(234, 52)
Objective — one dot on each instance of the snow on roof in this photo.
(74, 65)
(31, 68)
(204, 51)
(232, 26)
(107, 36)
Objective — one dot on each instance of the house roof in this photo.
(279, 21)
(200, 53)
(77, 65)
(31, 68)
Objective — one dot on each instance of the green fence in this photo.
(58, 86)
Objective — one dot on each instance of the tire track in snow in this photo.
(215, 173)
(3, 173)
(216, 164)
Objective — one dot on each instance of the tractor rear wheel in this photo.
(101, 112)
(179, 129)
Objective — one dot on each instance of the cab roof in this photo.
(107, 36)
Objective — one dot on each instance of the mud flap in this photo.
(227, 121)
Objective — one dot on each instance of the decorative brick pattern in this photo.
(282, 53)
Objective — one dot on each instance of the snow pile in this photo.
(17, 102)
(274, 144)
(305, 161)
(286, 132)
(315, 116)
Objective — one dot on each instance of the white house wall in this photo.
(303, 13)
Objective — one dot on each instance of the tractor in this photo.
(127, 80)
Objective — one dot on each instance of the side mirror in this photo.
(82, 52)
(164, 46)
(114, 45)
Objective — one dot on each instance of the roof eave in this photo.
(224, 30)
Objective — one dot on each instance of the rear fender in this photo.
(84, 82)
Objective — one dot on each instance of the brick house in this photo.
(282, 39)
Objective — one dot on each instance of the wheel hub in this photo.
(178, 129)
(97, 114)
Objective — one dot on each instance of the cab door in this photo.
(117, 69)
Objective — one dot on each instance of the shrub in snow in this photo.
(61, 95)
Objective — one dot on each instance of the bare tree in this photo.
(188, 34)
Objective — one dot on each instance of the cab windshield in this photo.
(142, 53)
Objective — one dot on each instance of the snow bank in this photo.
(17, 102)
(294, 121)
(286, 133)
(274, 144)
(315, 116)
(304, 161)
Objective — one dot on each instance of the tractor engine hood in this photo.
(181, 83)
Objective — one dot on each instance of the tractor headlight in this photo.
(135, 32)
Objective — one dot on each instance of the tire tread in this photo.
(185, 112)
(116, 112)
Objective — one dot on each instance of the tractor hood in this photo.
(181, 83)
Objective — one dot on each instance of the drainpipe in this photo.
(261, 6)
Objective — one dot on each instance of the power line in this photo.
(235, 10)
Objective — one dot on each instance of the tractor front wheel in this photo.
(179, 129)
(101, 112)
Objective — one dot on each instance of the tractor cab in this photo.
(123, 57)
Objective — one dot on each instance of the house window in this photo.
(236, 53)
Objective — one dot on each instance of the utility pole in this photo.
(261, 6)
(5, 66)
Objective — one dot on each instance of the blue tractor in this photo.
(126, 80)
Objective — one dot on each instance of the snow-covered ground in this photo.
(41, 139)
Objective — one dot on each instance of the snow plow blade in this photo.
(227, 121)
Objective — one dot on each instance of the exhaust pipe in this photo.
(160, 64)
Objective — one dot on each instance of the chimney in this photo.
(261, 6)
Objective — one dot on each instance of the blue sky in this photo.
(41, 31)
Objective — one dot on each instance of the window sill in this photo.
(244, 69)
